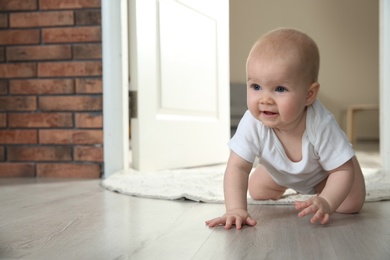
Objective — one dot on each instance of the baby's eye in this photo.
(280, 89)
(256, 87)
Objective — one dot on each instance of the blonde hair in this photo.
(279, 42)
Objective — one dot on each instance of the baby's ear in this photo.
(312, 93)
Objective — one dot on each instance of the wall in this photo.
(50, 88)
(347, 34)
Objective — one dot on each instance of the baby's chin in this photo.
(268, 124)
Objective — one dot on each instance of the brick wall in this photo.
(50, 88)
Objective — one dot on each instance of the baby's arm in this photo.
(235, 189)
(336, 189)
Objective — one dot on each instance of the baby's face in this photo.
(277, 90)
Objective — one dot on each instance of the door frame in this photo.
(116, 85)
(384, 83)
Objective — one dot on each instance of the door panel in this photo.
(180, 69)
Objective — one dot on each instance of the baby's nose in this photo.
(266, 99)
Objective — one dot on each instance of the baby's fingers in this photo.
(228, 222)
(320, 216)
(233, 220)
(309, 210)
(216, 222)
(250, 221)
(307, 207)
(302, 204)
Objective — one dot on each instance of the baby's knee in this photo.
(257, 193)
(351, 205)
(262, 187)
(349, 209)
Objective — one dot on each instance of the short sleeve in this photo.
(332, 144)
(246, 141)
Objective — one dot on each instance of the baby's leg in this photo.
(355, 199)
(261, 186)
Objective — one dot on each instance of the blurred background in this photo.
(347, 34)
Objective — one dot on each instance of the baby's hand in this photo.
(317, 206)
(237, 217)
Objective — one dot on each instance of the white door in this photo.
(179, 66)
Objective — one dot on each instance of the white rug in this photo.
(206, 185)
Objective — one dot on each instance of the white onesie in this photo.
(324, 148)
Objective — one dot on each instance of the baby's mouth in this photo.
(269, 113)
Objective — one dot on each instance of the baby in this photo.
(297, 141)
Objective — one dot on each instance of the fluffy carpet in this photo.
(206, 185)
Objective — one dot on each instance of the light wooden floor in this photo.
(69, 219)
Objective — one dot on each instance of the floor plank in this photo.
(77, 219)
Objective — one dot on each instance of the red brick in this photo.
(16, 170)
(69, 4)
(88, 153)
(71, 136)
(16, 103)
(3, 120)
(15, 37)
(18, 5)
(18, 70)
(39, 153)
(88, 17)
(2, 54)
(42, 86)
(18, 137)
(89, 86)
(3, 87)
(72, 34)
(2, 155)
(70, 69)
(51, 52)
(40, 120)
(67, 170)
(87, 51)
(71, 103)
(3, 20)
(41, 19)
(89, 120)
